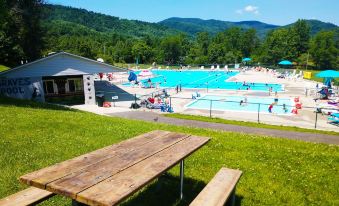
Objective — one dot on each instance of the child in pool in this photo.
(285, 108)
(270, 108)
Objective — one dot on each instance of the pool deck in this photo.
(293, 88)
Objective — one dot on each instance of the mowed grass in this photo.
(247, 124)
(3, 68)
(275, 171)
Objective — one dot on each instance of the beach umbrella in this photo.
(285, 62)
(246, 59)
(328, 74)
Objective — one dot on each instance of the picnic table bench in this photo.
(29, 196)
(109, 175)
(220, 189)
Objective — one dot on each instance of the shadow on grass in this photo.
(7, 101)
(166, 192)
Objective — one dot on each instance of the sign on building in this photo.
(22, 88)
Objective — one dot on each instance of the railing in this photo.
(288, 108)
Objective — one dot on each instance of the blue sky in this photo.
(279, 12)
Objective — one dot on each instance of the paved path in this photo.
(154, 117)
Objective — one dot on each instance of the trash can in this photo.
(100, 98)
(307, 75)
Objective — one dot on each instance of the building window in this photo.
(75, 85)
(48, 86)
(71, 85)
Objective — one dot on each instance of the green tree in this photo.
(323, 50)
(174, 48)
(277, 46)
(249, 42)
(203, 42)
(20, 31)
(301, 34)
(142, 51)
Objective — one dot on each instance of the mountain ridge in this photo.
(213, 26)
(174, 25)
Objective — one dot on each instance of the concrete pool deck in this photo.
(294, 88)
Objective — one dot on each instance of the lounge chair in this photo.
(333, 118)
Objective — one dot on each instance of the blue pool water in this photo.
(194, 79)
(234, 104)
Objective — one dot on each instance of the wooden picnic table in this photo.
(109, 175)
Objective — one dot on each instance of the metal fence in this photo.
(259, 106)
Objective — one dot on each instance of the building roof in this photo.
(60, 64)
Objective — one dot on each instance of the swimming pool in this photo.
(195, 79)
(232, 103)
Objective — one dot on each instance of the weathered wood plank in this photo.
(44, 176)
(218, 189)
(118, 187)
(29, 196)
(93, 174)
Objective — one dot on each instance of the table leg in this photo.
(76, 203)
(181, 178)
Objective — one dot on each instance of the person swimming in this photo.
(285, 108)
(276, 99)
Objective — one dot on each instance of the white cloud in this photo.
(248, 9)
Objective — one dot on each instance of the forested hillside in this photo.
(38, 29)
(193, 26)
(105, 23)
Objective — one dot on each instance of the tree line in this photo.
(24, 36)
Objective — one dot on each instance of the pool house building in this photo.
(60, 77)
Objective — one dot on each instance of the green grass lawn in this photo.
(275, 171)
(3, 68)
(248, 124)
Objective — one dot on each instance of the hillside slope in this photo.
(104, 23)
(195, 25)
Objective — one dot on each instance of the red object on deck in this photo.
(151, 100)
(107, 104)
(295, 111)
(101, 75)
(298, 105)
(296, 99)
